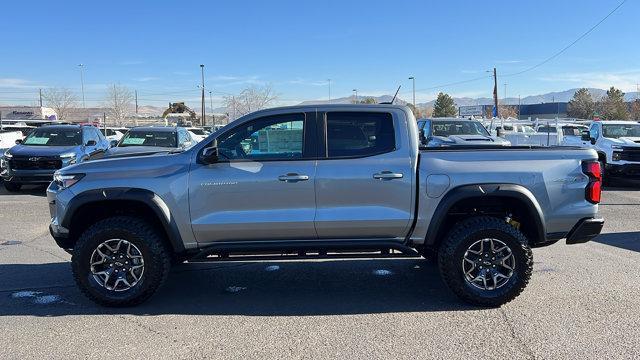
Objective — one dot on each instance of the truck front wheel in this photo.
(485, 261)
(120, 261)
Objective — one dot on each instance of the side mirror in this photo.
(18, 141)
(499, 132)
(186, 144)
(209, 155)
(113, 143)
(91, 143)
(585, 136)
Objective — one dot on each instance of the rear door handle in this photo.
(387, 175)
(293, 177)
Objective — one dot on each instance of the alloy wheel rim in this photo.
(488, 264)
(117, 265)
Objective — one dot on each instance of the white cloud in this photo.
(146, 78)
(18, 83)
(625, 80)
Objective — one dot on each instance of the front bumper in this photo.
(28, 176)
(585, 230)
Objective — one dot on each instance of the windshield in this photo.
(149, 138)
(621, 130)
(462, 127)
(198, 131)
(54, 137)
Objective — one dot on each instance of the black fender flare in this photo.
(513, 191)
(147, 197)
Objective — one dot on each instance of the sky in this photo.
(156, 47)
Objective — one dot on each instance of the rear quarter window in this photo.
(359, 134)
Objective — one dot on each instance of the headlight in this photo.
(65, 181)
(68, 155)
(7, 155)
(617, 147)
(616, 156)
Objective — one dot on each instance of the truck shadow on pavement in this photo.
(26, 190)
(332, 287)
(624, 240)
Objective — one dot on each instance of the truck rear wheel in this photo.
(120, 261)
(485, 261)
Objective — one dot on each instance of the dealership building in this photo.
(529, 111)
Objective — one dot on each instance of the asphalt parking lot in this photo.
(582, 302)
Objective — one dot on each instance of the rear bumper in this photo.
(585, 230)
(623, 170)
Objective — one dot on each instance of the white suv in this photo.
(618, 147)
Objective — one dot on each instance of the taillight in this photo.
(594, 187)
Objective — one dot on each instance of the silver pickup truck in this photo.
(319, 182)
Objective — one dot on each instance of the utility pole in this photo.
(40, 97)
(329, 81)
(203, 112)
(213, 117)
(82, 84)
(505, 93)
(355, 91)
(495, 93)
(413, 79)
(136, 92)
(519, 104)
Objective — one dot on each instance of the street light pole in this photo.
(82, 84)
(413, 79)
(355, 91)
(329, 81)
(203, 120)
(213, 118)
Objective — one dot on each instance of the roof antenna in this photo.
(394, 98)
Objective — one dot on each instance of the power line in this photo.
(570, 45)
(591, 29)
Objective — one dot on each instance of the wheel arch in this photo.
(90, 206)
(512, 195)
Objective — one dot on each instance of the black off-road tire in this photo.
(157, 260)
(606, 179)
(461, 237)
(12, 187)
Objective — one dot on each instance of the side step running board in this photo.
(339, 249)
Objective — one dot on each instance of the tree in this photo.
(612, 106)
(444, 106)
(249, 100)
(508, 111)
(368, 100)
(581, 106)
(62, 100)
(119, 102)
(635, 110)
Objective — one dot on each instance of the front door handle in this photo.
(293, 177)
(387, 175)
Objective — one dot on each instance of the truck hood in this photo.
(135, 151)
(480, 140)
(627, 141)
(26, 150)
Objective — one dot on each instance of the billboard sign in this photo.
(474, 110)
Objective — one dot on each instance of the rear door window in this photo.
(359, 134)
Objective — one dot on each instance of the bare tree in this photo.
(119, 102)
(508, 111)
(249, 100)
(62, 100)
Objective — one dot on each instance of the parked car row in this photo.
(34, 159)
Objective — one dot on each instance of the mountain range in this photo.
(559, 96)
